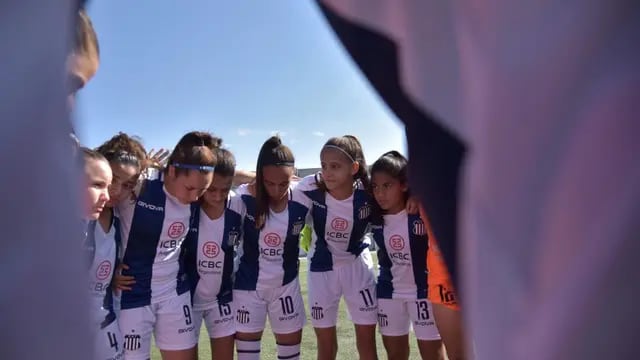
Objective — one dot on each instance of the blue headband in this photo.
(194, 167)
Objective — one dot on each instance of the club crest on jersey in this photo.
(210, 249)
(296, 229)
(364, 212)
(419, 228)
(272, 239)
(176, 230)
(234, 238)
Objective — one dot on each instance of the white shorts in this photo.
(396, 316)
(356, 281)
(219, 320)
(170, 321)
(108, 343)
(284, 305)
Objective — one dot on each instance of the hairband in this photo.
(123, 157)
(341, 149)
(194, 167)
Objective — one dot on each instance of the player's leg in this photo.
(251, 317)
(324, 295)
(221, 328)
(175, 331)
(424, 326)
(393, 324)
(358, 285)
(287, 318)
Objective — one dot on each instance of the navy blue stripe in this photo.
(232, 223)
(384, 285)
(248, 351)
(143, 237)
(361, 220)
(247, 274)
(291, 264)
(321, 259)
(419, 245)
(190, 253)
(289, 356)
(107, 302)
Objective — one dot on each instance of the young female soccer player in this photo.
(402, 252)
(267, 282)
(154, 226)
(339, 260)
(210, 250)
(101, 253)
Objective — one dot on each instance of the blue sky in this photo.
(242, 70)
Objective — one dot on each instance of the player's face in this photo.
(337, 169)
(98, 179)
(276, 180)
(388, 192)
(124, 180)
(187, 188)
(217, 193)
(81, 68)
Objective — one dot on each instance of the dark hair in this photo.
(395, 165)
(85, 39)
(124, 149)
(273, 152)
(226, 165)
(352, 148)
(196, 150)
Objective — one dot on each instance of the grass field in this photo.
(346, 335)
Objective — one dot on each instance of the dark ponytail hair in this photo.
(124, 149)
(226, 165)
(273, 152)
(352, 149)
(196, 150)
(395, 165)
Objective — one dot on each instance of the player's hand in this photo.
(413, 205)
(158, 159)
(122, 282)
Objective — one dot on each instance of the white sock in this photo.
(288, 352)
(248, 350)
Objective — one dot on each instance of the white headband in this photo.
(341, 149)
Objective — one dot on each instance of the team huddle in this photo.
(171, 246)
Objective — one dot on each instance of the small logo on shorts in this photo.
(383, 320)
(104, 270)
(339, 224)
(396, 242)
(176, 230)
(132, 342)
(210, 249)
(419, 228)
(272, 239)
(242, 316)
(317, 313)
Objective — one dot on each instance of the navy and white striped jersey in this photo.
(154, 227)
(402, 257)
(209, 256)
(340, 226)
(268, 257)
(102, 248)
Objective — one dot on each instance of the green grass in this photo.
(346, 335)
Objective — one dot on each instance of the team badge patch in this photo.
(364, 212)
(234, 238)
(296, 229)
(419, 228)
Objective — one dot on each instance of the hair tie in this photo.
(194, 167)
(341, 149)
